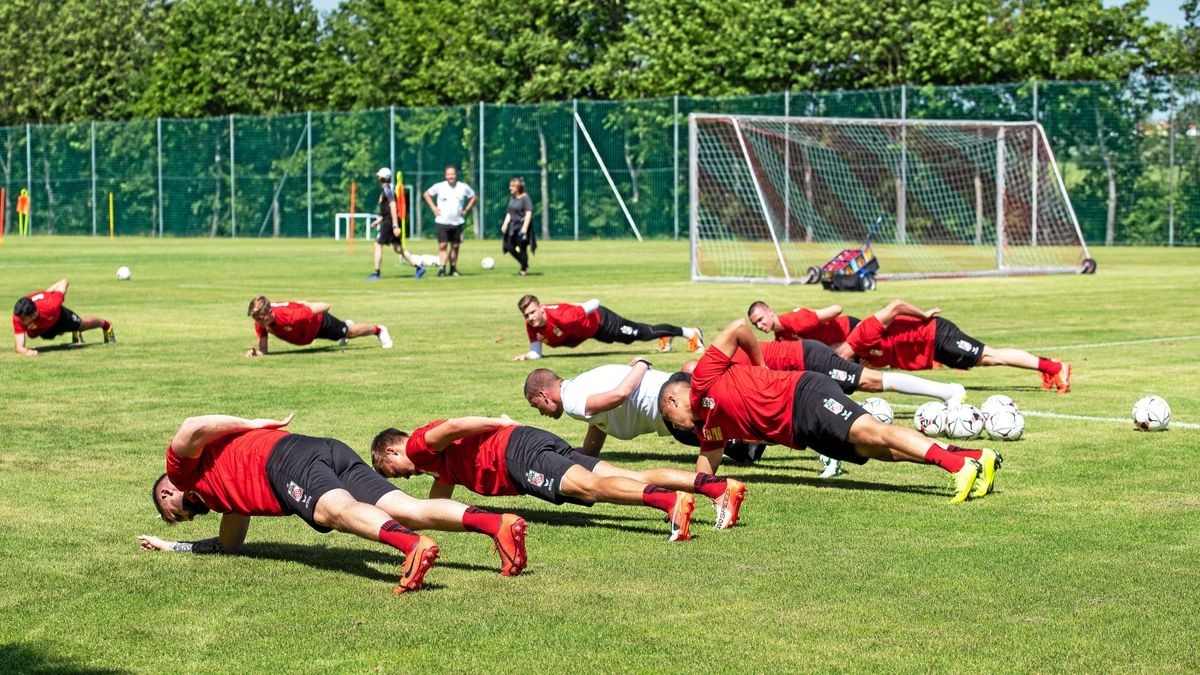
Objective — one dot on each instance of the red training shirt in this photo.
(476, 462)
(230, 474)
(906, 344)
(803, 323)
(732, 401)
(294, 323)
(49, 308)
(566, 326)
(776, 355)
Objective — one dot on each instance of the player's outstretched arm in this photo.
(260, 350)
(59, 286)
(607, 400)
(828, 313)
(449, 431)
(709, 461)
(230, 540)
(19, 345)
(737, 335)
(315, 307)
(196, 432)
(899, 307)
(440, 491)
(593, 442)
(534, 353)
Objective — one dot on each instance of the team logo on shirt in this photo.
(711, 434)
(297, 493)
(837, 408)
(968, 347)
(876, 352)
(707, 402)
(558, 331)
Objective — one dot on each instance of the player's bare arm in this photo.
(196, 432)
(528, 220)
(828, 313)
(504, 225)
(735, 336)
(440, 491)
(607, 400)
(315, 307)
(432, 207)
(534, 353)
(709, 461)
(470, 204)
(260, 350)
(441, 436)
(19, 345)
(593, 441)
(59, 286)
(899, 307)
(844, 350)
(230, 539)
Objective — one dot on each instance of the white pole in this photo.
(787, 166)
(479, 202)
(158, 127)
(1171, 169)
(693, 201)
(392, 140)
(1033, 229)
(675, 183)
(902, 192)
(1000, 199)
(762, 201)
(1062, 188)
(575, 164)
(29, 174)
(308, 194)
(233, 184)
(588, 137)
(93, 179)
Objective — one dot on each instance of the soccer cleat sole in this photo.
(416, 564)
(729, 505)
(511, 548)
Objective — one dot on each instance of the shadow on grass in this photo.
(63, 347)
(565, 354)
(331, 347)
(26, 658)
(358, 562)
(589, 519)
(616, 456)
(1005, 388)
(842, 483)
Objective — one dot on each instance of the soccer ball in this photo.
(124, 274)
(964, 422)
(995, 403)
(1005, 424)
(488, 263)
(879, 409)
(930, 418)
(1151, 413)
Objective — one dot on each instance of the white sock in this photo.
(689, 333)
(911, 384)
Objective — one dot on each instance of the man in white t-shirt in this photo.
(453, 200)
(618, 401)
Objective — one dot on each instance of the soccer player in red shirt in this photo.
(300, 322)
(903, 336)
(43, 315)
(243, 468)
(566, 325)
(722, 400)
(827, 325)
(495, 456)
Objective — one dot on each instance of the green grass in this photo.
(1084, 560)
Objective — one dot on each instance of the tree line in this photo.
(78, 60)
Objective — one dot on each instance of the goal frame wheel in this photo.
(813, 276)
(1089, 266)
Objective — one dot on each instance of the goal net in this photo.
(772, 198)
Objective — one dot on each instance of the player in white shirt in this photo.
(453, 200)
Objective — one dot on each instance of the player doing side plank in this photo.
(722, 399)
(300, 322)
(826, 325)
(43, 315)
(566, 325)
(243, 468)
(496, 456)
(904, 337)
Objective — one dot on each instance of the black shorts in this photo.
(301, 469)
(449, 234)
(387, 236)
(68, 322)
(819, 358)
(822, 416)
(954, 348)
(537, 461)
(332, 328)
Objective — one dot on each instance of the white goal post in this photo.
(773, 198)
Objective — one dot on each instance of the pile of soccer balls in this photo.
(999, 417)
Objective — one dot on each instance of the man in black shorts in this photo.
(567, 325)
(496, 456)
(243, 468)
(299, 322)
(905, 337)
(391, 225)
(42, 314)
(722, 399)
(454, 199)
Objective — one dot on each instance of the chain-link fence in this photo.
(1129, 152)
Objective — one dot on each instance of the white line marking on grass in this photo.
(1116, 344)
(1085, 418)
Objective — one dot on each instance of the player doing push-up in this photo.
(567, 325)
(299, 322)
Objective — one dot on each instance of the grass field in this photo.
(1085, 558)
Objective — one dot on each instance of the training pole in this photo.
(350, 228)
(111, 226)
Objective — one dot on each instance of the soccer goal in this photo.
(774, 198)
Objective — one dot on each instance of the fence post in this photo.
(1033, 173)
(392, 143)
(675, 184)
(158, 134)
(29, 176)
(787, 166)
(575, 164)
(1171, 169)
(479, 192)
(1000, 168)
(308, 199)
(902, 185)
(93, 179)
(232, 183)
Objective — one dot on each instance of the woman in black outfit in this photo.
(518, 237)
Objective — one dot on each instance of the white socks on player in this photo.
(903, 383)
(689, 333)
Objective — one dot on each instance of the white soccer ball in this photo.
(1151, 413)
(995, 403)
(488, 263)
(930, 418)
(1006, 423)
(124, 274)
(964, 422)
(879, 409)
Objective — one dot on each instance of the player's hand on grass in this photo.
(253, 352)
(30, 352)
(149, 543)
(263, 423)
(508, 421)
(933, 312)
